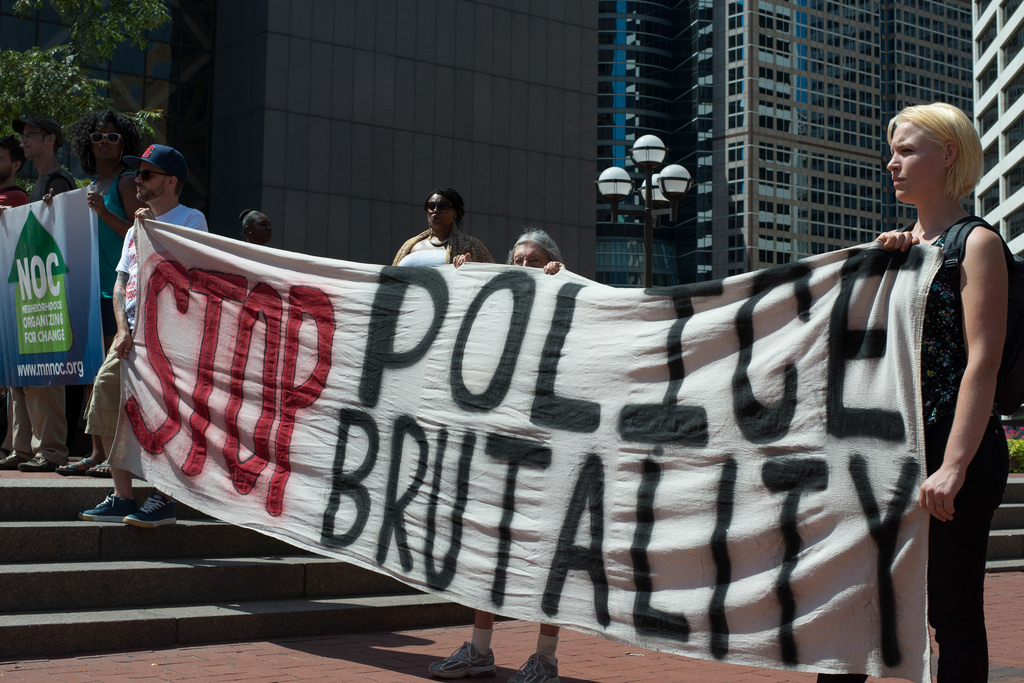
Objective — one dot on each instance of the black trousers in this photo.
(956, 559)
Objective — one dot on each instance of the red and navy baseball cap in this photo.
(167, 159)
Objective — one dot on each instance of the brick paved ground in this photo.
(403, 656)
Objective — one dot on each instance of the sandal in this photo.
(100, 469)
(77, 469)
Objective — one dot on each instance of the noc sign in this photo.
(50, 327)
(726, 470)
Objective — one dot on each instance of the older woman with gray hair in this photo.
(475, 659)
(533, 249)
(536, 249)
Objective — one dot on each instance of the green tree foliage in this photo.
(44, 82)
(56, 82)
(99, 27)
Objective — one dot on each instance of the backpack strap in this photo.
(955, 244)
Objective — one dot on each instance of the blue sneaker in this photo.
(158, 510)
(112, 509)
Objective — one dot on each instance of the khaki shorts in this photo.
(105, 403)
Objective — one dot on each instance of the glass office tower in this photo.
(779, 111)
(634, 97)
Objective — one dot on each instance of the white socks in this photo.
(482, 638)
(546, 646)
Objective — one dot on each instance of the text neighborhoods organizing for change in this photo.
(50, 331)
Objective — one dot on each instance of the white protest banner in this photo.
(50, 328)
(725, 470)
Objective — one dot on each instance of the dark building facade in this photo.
(337, 118)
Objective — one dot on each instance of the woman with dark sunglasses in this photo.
(443, 240)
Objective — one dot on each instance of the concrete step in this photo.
(1014, 489)
(994, 566)
(141, 583)
(43, 634)
(1006, 544)
(1009, 516)
(86, 587)
(53, 498)
(77, 541)
(1006, 539)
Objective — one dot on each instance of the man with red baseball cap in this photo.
(160, 175)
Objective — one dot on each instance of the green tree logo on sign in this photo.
(41, 303)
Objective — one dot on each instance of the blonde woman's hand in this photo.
(938, 493)
(897, 240)
(462, 258)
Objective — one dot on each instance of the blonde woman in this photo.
(936, 161)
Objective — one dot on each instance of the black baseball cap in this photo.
(44, 123)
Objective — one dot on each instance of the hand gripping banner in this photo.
(726, 470)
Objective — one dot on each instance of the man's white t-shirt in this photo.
(179, 215)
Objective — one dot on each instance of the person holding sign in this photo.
(443, 240)
(40, 426)
(533, 249)
(160, 176)
(936, 161)
(101, 140)
(12, 158)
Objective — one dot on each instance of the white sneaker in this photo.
(466, 662)
(538, 669)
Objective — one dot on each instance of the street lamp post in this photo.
(660, 192)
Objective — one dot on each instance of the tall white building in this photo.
(999, 114)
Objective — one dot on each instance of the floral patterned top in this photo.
(943, 352)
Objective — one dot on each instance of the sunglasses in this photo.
(112, 138)
(147, 174)
(438, 206)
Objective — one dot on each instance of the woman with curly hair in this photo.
(101, 140)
